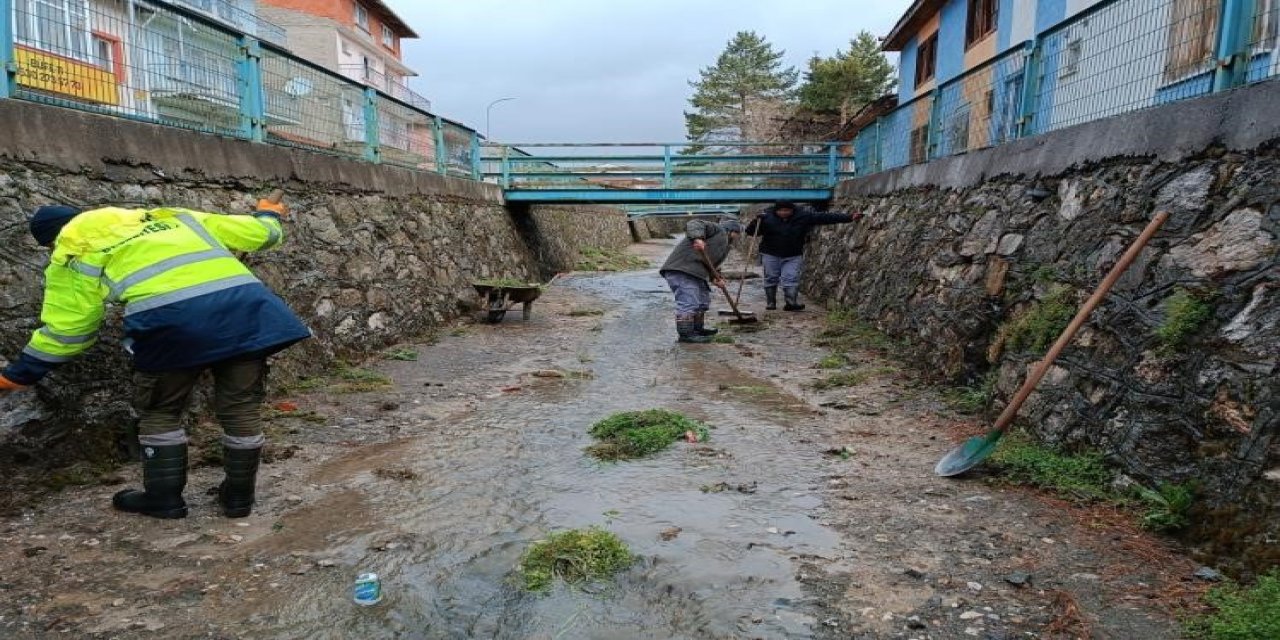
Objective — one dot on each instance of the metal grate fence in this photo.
(210, 66)
(1114, 57)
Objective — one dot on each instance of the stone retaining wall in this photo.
(1175, 376)
(375, 255)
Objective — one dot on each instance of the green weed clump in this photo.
(833, 361)
(635, 434)
(1085, 477)
(1082, 477)
(1036, 329)
(1242, 613)
(575, 556)
(974, 398)
(852, 378)
(845, 332)
(597, 259)
(1184, 314)
(356, 380)
(508, 283)
(1168, 508)
(403, 355)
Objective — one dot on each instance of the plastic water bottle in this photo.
(368, 590)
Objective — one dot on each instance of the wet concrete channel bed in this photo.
(440, 482)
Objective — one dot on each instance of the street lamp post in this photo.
(488, 111)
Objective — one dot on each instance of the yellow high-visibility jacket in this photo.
(188, 301)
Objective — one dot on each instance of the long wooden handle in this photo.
(751, 252)
(715, 277)
(1010, 411)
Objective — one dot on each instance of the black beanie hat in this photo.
(49, 220)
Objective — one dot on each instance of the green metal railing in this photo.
(208, 66)
(668, 210)
(641, 166)
(1115, 57)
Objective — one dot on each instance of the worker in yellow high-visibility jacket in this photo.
(189, 306)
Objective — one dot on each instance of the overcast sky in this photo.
(603, 70)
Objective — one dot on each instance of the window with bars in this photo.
(927, 59)
(388, 37)
(56, 26)
(982, 20)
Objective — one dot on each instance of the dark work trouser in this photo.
(239, 389)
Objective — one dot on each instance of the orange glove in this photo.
(278, 208)
(9, 385)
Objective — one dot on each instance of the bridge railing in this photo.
(668, 166)
(672, 210)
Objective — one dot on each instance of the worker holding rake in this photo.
(689, 271)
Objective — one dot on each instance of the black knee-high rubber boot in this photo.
(793, 299)
(700, 325)
(237, 490)
(771, 298)
(685, 329)
(164, 476)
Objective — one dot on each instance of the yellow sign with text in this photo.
(56, 74)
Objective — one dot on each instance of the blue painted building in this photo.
(974, 73)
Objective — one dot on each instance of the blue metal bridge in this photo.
(668, 173)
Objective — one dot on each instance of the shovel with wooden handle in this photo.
(978, 448)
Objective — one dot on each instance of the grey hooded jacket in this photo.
(686, 259)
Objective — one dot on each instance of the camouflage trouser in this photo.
(239, 388)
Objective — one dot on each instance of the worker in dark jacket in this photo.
(783, 230)
(686, 273)
(189, 306)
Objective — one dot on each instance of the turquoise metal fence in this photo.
(210, 66)
(817, 165)
(668, 172)
(1114, 57)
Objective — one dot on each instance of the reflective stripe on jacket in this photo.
(146, 260)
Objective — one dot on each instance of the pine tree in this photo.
(740, 96)
(848, 80)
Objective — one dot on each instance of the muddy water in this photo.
(503, 476)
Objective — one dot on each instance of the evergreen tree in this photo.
(740, 96)
(849, 80)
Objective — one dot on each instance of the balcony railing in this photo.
(245, 21)
(195, 81)
(395, 88)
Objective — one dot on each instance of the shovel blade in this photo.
(968, 455)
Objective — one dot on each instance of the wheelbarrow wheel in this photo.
(496, 315)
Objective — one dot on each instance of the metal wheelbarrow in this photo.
(498, 298)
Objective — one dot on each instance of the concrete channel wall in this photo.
(1175, 377)
(375, 254)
